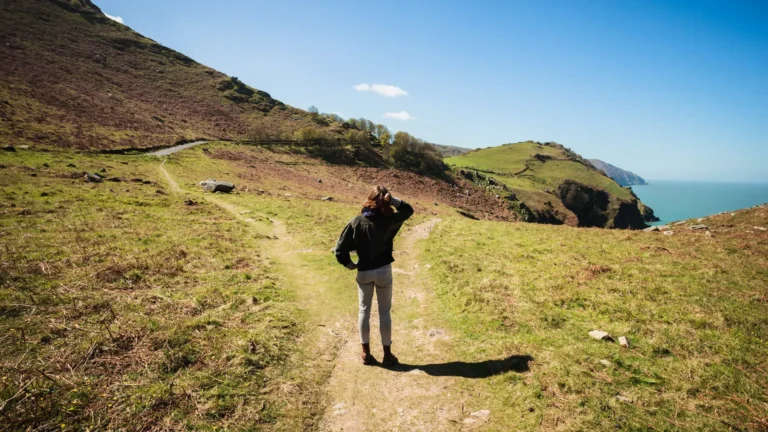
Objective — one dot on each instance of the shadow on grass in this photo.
(483, 369)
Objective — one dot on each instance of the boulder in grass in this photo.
(93, 178)
(328, 198)
(699, 227)
(600, 335)
(623, 341)
(651, 229)
(217, 186)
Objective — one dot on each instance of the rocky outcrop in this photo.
(217, 186)
(597, 208)
(620, 176)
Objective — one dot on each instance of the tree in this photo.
(312, 109)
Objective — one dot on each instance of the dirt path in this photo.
(425, 393)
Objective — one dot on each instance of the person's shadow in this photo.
(482, 369)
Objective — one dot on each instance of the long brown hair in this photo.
(378, 200)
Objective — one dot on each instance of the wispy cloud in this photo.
(115, 18)
(382, 89)
(402, 115)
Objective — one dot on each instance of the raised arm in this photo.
(404, 210)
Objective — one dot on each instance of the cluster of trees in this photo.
(400, 148)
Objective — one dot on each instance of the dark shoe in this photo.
(366, 356)
(389, 359)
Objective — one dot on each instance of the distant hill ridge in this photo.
(622, 177)
(549, 183)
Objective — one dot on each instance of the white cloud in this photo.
(115, 18)
(382, 89)
(402, 115)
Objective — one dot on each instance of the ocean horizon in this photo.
(673, 200)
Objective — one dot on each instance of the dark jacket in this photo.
(371, 237)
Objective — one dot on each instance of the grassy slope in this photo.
(509, 159)
(124, 91)
(182, 282)
(693, 307)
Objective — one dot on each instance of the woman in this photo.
(371, 234)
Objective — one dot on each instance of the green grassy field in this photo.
(506, 161)
(122, 307)
(693, 307)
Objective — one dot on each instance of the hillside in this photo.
(448, 151)
(620, 176)
(550, 183)
(74, 78)
(143, 303)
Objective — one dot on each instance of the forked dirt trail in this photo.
(424, 393)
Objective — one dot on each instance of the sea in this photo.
(677, 200)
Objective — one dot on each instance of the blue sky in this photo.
(670, 90)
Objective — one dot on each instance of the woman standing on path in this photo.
(371, 235)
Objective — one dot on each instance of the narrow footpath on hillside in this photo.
(424, 393)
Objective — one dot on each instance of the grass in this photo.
(122, 307)
(509, 162)
(693, 308)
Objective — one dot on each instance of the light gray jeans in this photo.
(381, 279)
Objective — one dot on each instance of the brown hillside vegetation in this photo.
(124, 90)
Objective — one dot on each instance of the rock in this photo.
(115, 179)
(9, 148)
(668, 233)
(621, 398)
(103, 170)
(699, 227)
(623, 341)
(159, 192)
(45, 165)
(44, 194)
(760, 228)
(190, 202)
(23, 147)
(469, 420)
(679, 223)
(217, 186)
(709, 234)
(93, 178)
(606, 363)
(326, 198)
(482, 414)
(319, 180)
(245, 212)
(651, 229)
(664, 227)
(600, 335)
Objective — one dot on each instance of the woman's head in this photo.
(379, 199)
